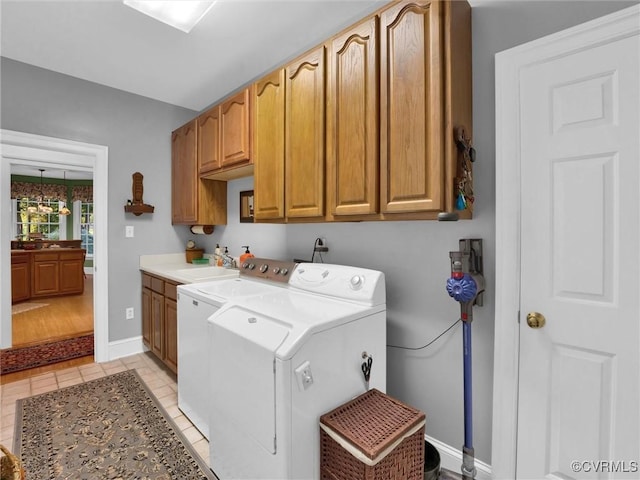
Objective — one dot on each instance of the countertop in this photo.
(47, 250)
(173, 266)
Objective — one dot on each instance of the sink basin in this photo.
(200, 273)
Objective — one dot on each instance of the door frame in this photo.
(508, 65)
(29, 149)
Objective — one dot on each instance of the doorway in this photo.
(27, 149)
(566, 385)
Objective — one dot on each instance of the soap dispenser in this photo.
(247, 254)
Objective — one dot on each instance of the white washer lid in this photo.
(304, 314)
(265, 332)
(218, 292)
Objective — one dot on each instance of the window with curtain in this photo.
(36, 207)
(33, 221)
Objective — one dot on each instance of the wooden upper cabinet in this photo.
(305, 135)
(225, 139)
(184, 174)
(353, 121)
(194, 201)
(268, 146)
(235, 129)
(209, 140)
(411, 107)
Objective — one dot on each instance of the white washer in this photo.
(281, 360)
(196, 303)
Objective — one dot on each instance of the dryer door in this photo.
(242, 372)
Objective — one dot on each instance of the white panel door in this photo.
(579, 410)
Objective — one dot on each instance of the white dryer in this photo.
(280, 360)
(196, 303)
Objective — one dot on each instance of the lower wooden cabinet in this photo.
(20, 277)
(171, 334)
(160, 319)
(46, 273)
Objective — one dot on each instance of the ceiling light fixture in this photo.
(183, 15)
(64, 210)
(42, 208)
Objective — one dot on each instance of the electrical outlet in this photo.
(129, 313)
(320, 245)
(128, 231)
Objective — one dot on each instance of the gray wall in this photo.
(413, 255)
(137, 132)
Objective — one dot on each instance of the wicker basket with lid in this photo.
(372, 437)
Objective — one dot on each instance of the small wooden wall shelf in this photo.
(138, 209)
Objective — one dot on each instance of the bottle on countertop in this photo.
(247, 254)
(217, 256)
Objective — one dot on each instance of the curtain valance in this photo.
(51, 191)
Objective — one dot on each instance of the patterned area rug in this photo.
(109, 428)
(23, 358)
(25, 307)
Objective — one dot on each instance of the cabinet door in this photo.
(146, 317)
(184, 175)
(157, 324)
(268, 146)
(171, 334)
(71, 275)
(235, 138)
(305, 136)
(352, 121)
(20, 281)
(45, 278)
(411, 108)
(209, 140)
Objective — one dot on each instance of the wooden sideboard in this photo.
(46, 272)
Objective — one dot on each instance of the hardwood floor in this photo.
(63, 317)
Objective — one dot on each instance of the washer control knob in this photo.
(264, 267)
(250, 266)
(245, 265)
(276, 270)
(284, 271)
(356, 282)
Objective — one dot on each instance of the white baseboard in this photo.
(451, 459)
(125, 348)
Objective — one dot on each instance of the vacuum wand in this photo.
(466, 286)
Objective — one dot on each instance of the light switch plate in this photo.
(128, 231)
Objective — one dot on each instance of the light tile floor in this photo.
(159, 380)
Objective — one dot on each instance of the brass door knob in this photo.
(535, 320)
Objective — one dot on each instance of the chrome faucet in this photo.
(228, 261)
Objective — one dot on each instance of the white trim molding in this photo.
(509, 65)
(451, 459)
(29, 149)
(126, 347)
